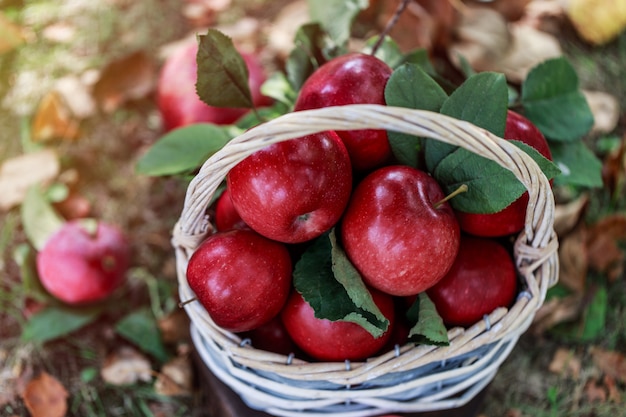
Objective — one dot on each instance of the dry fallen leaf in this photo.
(567, 215)
(54, 120)
(557, 310)
(281, 31)
(614, 168)
(45, 396)
(511, 10)
(611, 363)
(615, 395)
(76, 94)
(489, 43)
(10, 35)
(174, 327)
(202, 13)
(175, 378)
(605, 255)
(606, 111)
(131, 77)
(126, 366)
(598, 21)
(19, 173)
(594, 391)
(565, 363)
(573, 260)
(423, 24)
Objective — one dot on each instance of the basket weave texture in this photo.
(409, 378)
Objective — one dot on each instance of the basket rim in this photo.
(535, 248)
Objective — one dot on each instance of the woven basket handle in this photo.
(193, 223)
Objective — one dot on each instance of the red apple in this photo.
(178, 101)
(397, 234)
(84, 261)
(482, 279)
(226, 216)
(327, 340)
(353, 78)
(293, 191)
(272, 337)
(512, 219)
(241, 278)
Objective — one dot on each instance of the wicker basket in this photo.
(409, 378)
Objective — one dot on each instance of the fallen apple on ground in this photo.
(178, 101)
(84, 261)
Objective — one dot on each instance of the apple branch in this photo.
(462, 188)
(394, 19)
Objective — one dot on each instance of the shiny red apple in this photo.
(84, 261)
(482, 279)
(512, 219)
(226, 216)
(328, 340)
(397, 234)
(293, 191)
(353, 78)
(178, 102)
(241, 278)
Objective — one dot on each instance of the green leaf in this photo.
(55, 322)
(336, 16)
(39, 218)
(222, 79)
(140, 328)
(410, 86)
(553, 102)
(312, 48)
(184, 149)
(579, 165)
(314, 278)
(280, 89)
(348, 276)
(26, 258)
(388, 51)
(427, 325)
(594, 317)
(252, 119)
(491, 188)
(482, 100)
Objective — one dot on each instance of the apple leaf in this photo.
(140, 327)
(579, 165)
(336, 16)
(184, 149)
(427, 326)
(313, 47)
(491, 188)
(552, 100)
(39, 218)
(482, 100)
(54, 322)
(26, 258)
(334, 289)
(280, 89)
(410, 86)
(222, 79)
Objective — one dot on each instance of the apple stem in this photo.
(462, 188)
(392, 22)
(184, 303)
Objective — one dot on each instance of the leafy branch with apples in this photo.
(342, 244)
